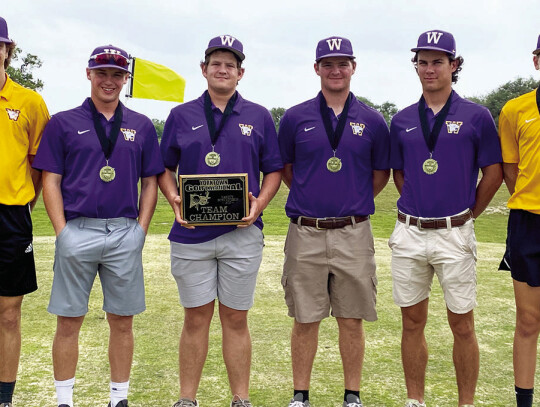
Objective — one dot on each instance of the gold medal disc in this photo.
(107, 173)
(333, 164)
(212, 159)
(430, 166)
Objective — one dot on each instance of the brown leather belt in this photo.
(435, 223)
(329, 223)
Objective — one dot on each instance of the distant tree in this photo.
(496, 99)
(277, 114)
(387, 109)
(159, 124)
(21, 67)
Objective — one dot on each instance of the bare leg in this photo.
(466, 355)
(10, 337)
(526, 335)
(414, 353)
(65, 349)
(304, 341)
(236, 349)
(351, 347)
(194, 348)
(120, 346)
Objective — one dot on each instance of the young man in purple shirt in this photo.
(438, 146)
(335, 151)
(222, 262)
(92, 158)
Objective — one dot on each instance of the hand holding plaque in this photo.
(214, 199)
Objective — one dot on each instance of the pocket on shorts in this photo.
(61, 234)
(398, 228)
(142, 233)
(466, 237)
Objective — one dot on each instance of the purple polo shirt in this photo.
(364, 147)
(70, 147)
(246, 144)
(468, 141)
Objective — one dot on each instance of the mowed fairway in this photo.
(154, 379)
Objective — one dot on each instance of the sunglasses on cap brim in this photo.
(107, 59)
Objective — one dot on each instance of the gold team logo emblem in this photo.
(196, 200)
(357, 128)
(13, 114)
(453, 127)
(246, 129)
(129, 134)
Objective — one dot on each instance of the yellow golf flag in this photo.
(154, 81)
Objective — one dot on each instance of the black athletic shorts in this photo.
(17, 267)
(522, 256)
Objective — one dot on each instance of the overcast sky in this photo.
(495, 37)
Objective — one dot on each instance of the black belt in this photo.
(329, 223)
(436, 223)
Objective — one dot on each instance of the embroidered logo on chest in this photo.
(129, 134)
(13, 114)
(246, 129)
(357, 128)
(453, 127)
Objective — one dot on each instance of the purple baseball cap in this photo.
(4, 37)
(537, 50)
(436, 40)
(228, 43)
(109, 56)
(334, 47)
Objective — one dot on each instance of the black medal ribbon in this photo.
(432, 137)
(214, 134)
(334, 136)
(107, 143)
(538, 99)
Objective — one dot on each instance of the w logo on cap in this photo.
(334, 43)
(433, 37)
(227, 40)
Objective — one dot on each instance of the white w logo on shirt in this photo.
(334, 43)
(227, 40)
(433, 36)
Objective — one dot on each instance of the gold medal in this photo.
(212, 159)
(430, 166)
(333, 164)
(107, 173)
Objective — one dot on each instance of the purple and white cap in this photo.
(537, 50)
(436, 40)
(109, 56)
(228, 43)
(4, 37)
(334, 47)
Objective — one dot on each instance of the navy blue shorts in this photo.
(522, 256)
(17, 268)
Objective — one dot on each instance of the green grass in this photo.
(154, 379)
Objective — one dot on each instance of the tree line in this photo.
(23, 66)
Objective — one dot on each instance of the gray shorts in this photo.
(110, 247)
(225, 268)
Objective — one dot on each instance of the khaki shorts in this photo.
(330, 269)
(418, 254)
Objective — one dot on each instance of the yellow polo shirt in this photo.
(23, 116)
(519, 131)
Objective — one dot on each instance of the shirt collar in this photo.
(7, 90)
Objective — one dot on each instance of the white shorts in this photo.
(419, 253)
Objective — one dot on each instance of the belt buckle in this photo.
(317, 223)
(419, 223)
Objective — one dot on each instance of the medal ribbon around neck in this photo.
(107, 143)
(432, 137)
(214, 133)
(334, 136)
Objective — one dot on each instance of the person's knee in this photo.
(463, 327)
(198, 319)
(527, 323)
(68, 327)
(413, 321)
(120, 325)
(10, 318)
(233, 319)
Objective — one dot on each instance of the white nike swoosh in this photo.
(306, 129)
(82, 132)
(530, 120)
(411, 129)
(195, 128)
